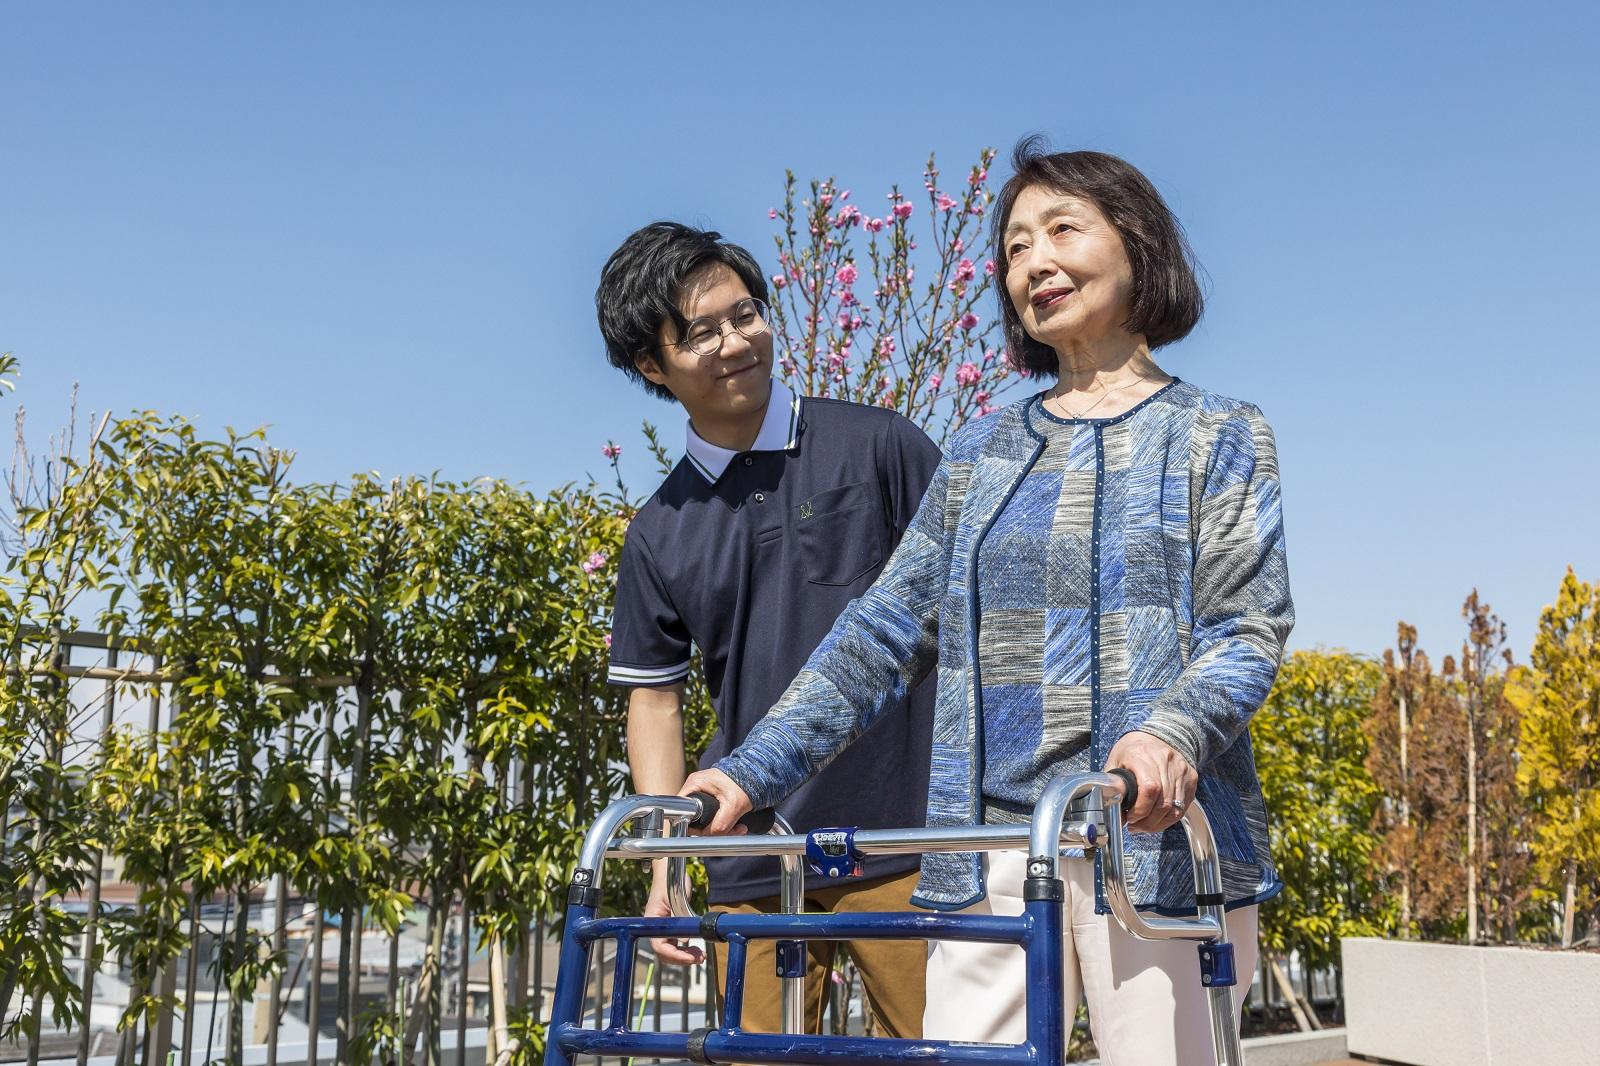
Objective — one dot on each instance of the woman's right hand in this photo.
(733, 802)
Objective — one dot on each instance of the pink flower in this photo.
(981, 397)
(986, 410)
(989, 356)
(835, 360)
(847, 274)
(934, 381)
(611, 451)
(608, 640)
(979, 176)
(988, 267)
(886, 347)
(593, 563)
(844, 320)
(874, 225)
(779, 281)
(786, 364)
(772, 212)
(849, 215)
(848, 298)
(968, 374)
(944, 202)
(968, 320)
(958, 246)
(901, 210)
(966, 270)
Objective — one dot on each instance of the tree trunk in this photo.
(350, 919)
(1405, 814)
(505, 1047)
(425, 1013)
(1286, 989)
(1569, 903)
(1472, 829)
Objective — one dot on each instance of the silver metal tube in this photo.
(1062, 793)
(1204, 926)
(613, 818)
(867, 841)
(1225, 1025)
(791, 898)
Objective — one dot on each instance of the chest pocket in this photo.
(840, 533)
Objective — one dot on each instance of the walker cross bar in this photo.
(1075, 811)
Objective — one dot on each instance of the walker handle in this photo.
(1130, 788)
(709, 806)
(756, 821)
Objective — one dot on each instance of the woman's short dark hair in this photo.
(1166, 301)
(642, 283)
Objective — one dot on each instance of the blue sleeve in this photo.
(881, 644)
(1242, 609)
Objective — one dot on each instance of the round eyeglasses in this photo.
(703, 336)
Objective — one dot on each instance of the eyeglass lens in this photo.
(704, 335)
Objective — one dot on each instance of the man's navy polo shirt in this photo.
(753, 569)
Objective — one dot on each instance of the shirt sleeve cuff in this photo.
(646, 676)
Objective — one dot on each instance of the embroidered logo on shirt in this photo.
(806, 510)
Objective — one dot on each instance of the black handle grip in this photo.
(756, 821)
(708, 809)
(1130, 787)
(759, 821)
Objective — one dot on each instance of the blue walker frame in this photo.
(1076, 810)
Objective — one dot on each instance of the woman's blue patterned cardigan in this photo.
(1188, 610)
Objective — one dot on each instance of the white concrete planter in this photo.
(1451, 1005)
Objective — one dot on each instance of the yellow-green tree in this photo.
(1311, 754)
(1559, 771)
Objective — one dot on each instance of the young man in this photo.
(780, 513)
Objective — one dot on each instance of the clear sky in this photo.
(377, 228)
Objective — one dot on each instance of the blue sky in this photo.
(377, 229)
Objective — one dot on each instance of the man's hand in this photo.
(734, 803)
(1167, 783)
(668, 950)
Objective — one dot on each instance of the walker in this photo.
(1082, 810)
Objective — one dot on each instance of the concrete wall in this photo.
(1452, 1005)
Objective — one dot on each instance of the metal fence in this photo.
(114, 685)
(298, 1016)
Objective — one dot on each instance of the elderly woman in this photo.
(1098, 573)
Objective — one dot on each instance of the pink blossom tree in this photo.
(850, 319)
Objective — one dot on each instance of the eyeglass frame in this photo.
(761, 308)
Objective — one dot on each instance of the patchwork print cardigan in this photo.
(1188, 610)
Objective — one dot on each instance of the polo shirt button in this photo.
(748, 461)
(761, 497)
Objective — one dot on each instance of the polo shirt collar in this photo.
(780, 431)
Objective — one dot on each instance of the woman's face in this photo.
(1067, 274)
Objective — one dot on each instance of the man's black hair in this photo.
(642, 283)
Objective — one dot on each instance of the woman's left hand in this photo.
(1167, 782)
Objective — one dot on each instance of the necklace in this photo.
(1104, 395)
